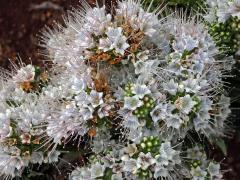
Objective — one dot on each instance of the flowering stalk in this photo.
(128, 84)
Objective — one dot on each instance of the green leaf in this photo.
(222, 145)
(34, 174)
(108, 174)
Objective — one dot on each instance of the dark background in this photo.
(22, 20)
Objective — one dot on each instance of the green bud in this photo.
(146, 98)
(149, 144)
(148, 105)
(143, 145)
(145, 139)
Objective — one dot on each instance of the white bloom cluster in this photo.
(128, 84)
(221, 10)
(22, 115)
(148, 159)
(194, 76)
(201, 167)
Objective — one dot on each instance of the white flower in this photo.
(174, 121)
(196, 153)
(146, 22)
(131, 149)
(114, 33)
(86, 112)
(131, 121)
(220, 10)
(5, 128)
(160, 112)
(70, 121)
(82, 98)
(168, 157)
(143, 56)
(117, 177)
(33, 112)
(140, 90)
(10, 165)
(139, 67)
(25, 74)
(223, 12)
(202, 125)
(37, 157)
(145, 67)
(198, 173)
(162, 160)
(145, 160)
(234, 8)
(213, 3)
(78, 84)
(135, 135)
(185, 43)
(81, 174)
(191, 43)
(185, 104)
(132, 103)
(5, 131)
(130, 166)
(104, 110)
(138, 18)
(97, 20)
(191, 85)
(97, 170)
(167, 150)
(98, 146)
(53, 156)
(160, 171)
(95, 98)
(120, 45)
(105, 44)
(214, 169)
(83, 40)
(115, 40)
(211, 16)
(171, 87)
(128, 9)
(26, 138)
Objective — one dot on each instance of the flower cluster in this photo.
(151, 158)
(220, 11)
(201, 167)
(223, 18)
(131, 85)
(23, 112)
